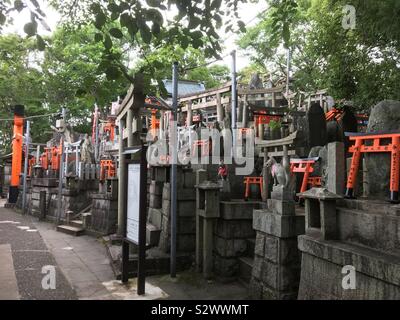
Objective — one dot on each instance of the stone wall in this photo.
(104, 214)
(276, 268)
(377, 274)
(367, 239)
(159, 213)
(73, 200)
(232, 230)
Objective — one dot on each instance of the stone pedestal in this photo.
(276, 268)
(207, 210)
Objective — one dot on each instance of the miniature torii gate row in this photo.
(304, 165)
(360, 147)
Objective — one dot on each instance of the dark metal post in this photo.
(96, 134)
(61, 173)
(27, 138)
(234, 99)
(288, 58)
(60, 181)
(141, 283)
(174, 157)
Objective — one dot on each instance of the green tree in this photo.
(21, 82)
(360, 64)
(192, 66)
(75, 75)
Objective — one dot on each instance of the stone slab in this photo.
(278, 225)
(373, 263)
(237, 210)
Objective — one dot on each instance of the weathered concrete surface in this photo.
(385, 116)
(8, 280)
(377, 273)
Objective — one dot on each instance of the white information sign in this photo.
(133, 202)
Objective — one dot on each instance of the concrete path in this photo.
(83, 260)
(8, 281)
(30, 260)
(82, 268)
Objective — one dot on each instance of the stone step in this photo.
(73, 231)
(76, 223)
(152, 235)
(251, 243)
(245, 268)
(375, 206)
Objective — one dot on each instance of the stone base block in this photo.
(278, 225)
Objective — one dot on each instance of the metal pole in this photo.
(96, 133)
(27, 137)
(61, 173)
(288, 58)
(234, 99)
(174, 169)
(141, 281)
(60, 182)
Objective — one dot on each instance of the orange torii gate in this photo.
(305, 166)
(360, 147)
(334, 114)
(107, 169)
(17, 153)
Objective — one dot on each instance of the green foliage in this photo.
(21, 82)
(76, 75)
(192, 66)
(143, 23)
(360, 64)
(69, 73)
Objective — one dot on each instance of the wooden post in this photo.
(189, 116)
(273, 103)
(129, 121)
(244, 116)
(220, 110)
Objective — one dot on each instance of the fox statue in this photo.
(279, 172)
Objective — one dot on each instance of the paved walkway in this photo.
(83, 261)
(82, 268)
(8, 281)
(20, 237)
